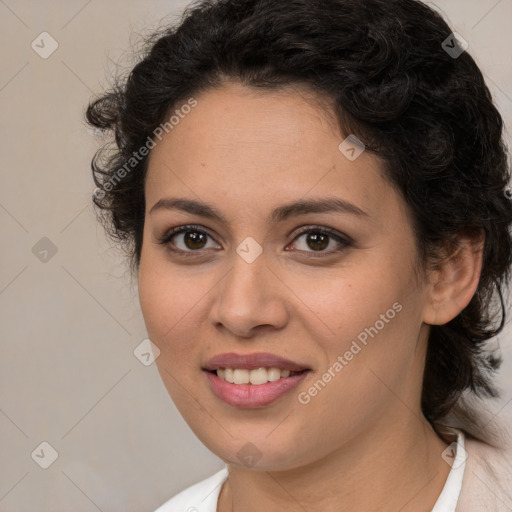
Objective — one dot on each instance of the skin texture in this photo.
(245, 152)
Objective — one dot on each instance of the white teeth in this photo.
(273, 374)
(257, 376)
(241, 376)
(228, 375)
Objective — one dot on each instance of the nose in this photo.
(249, 299)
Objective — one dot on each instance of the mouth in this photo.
(253, 380)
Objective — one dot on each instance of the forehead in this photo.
(259, 147)
(233, 119)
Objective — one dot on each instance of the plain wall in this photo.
(70, 324)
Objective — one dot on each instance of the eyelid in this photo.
(326, 230)
(341, 238)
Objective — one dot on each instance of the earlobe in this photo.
(454, 281)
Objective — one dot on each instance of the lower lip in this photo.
(253, 395)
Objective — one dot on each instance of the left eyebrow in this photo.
(279, 214)
(305, 206)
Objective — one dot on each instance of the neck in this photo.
(384, 469)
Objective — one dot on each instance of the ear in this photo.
(453, 282)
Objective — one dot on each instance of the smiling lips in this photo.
(252, 380)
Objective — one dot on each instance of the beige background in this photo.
(69, 325)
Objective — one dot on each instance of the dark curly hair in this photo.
(398, 80)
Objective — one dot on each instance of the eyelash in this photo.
(344, 241)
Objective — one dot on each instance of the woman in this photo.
(314, 198)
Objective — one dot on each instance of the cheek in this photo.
(373, 311)
(164, 304)
(350, 299)
(174, 308)
(163, 293)
(162, 301)
(376, 351)
(150, 293)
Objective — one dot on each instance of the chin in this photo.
(259, 451)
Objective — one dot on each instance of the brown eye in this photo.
(186, 239)
(318, 240)
(194, 239)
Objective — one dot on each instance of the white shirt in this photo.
(203, 496)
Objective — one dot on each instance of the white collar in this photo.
(455, 455)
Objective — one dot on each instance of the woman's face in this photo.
(349, 310)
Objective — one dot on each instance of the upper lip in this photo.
(252, 361)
